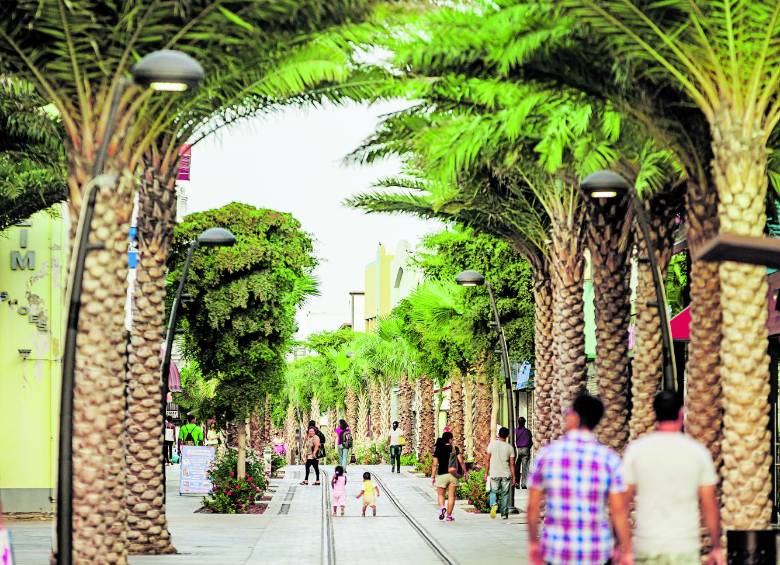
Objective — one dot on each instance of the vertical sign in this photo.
(132, 248)
(195, 462)
(185, 158)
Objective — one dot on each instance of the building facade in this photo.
(33, 271)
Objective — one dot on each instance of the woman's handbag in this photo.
(453, 466)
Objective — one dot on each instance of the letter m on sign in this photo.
(22, 260)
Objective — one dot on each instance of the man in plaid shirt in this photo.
(581, 480)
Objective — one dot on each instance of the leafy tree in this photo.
(239, 325)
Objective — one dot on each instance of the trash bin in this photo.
(751, 547)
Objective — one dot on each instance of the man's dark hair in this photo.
(589, 409)
(666, 406)
(521, 421)
(312, 424)
(503, 432)
(192, 419)
(446, 436)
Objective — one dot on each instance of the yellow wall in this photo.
(31, 317)
(377, 289)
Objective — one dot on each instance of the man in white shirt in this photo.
(396, 444)
(669, 474)
(501, 470)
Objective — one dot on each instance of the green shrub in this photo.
(372, 453)
(229, 494)
(331, 457)
(472, 488)
(277, 462)
(424, 464)
(409, 460)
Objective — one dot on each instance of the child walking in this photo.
(339, 484)
(369, 493)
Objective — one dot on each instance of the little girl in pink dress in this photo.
(339, 484)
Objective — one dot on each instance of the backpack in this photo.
(189, 437)
(453, 465)
(321, 450)
(346, 439)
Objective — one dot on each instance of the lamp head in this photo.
(216, 237)
(167, 70)
(470, 278)
(605, 184)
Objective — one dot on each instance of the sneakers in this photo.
(442, 513)
(493, 511)
(450, 518)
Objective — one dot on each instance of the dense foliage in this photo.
(472, 488)
(242, 314)
(229, 494)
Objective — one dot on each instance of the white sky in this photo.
(292, 162)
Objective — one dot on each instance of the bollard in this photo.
(751, 547)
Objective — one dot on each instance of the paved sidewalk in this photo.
(291, 529)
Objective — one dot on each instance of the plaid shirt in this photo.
(576, 474)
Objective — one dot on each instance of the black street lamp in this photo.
(160, 70)
(212, 237)
(473, 278)
(605, 185)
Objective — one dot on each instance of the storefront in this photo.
(33, 265)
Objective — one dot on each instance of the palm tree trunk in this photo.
(146, 519)
(256, 433)
(610, 246)
(495, 406)
(290, 428)
(99, 514)
(739, 168)
(405, 399)
(315, 410)
(241, 455)
(351, 407)
(546, 414)
(266, 429)
(384, 391)
(482, 431)
(647, 363)
(456, 408)
(375, 410)
(362, 417)
(568, 334)
(427, 416)
(469, 406)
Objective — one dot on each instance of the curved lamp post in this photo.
(160, 70)
(605, 185)
(473, 278)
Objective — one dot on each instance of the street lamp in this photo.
(212, 237)
(602, 186)
(160, 70)
(473, 278)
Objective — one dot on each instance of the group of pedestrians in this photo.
(588, 491)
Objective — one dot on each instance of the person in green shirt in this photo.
(190, 434)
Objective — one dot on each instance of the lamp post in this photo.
(160, 70)
(473, 278)
(605, 185)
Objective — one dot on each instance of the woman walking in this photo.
(311, 449)
(343, 442)
(447, 468)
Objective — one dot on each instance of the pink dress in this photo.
(340, 491)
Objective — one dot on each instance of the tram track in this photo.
(328, 553)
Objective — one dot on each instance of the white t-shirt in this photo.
(667, 468)
(500, 452)
(395, 436)
(169, 434)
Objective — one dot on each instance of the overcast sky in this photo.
(292, 161)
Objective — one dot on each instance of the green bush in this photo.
(277, 462)
(331, 457)
(372, 453)
(424, 464)
(409, 460)
(229, 494)
(472, 488)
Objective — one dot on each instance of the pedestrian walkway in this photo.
(294, 529)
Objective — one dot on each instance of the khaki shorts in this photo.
(445, 480)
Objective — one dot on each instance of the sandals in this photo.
(316, 483)
(305, 483)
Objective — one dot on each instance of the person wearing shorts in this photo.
(442, 475)
(339, 485)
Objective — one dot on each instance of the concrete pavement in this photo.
(291, 529)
